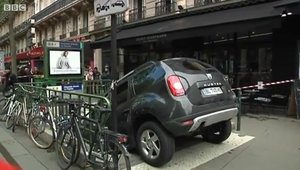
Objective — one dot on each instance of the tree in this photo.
(12, 41)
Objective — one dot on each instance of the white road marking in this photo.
(199, 154)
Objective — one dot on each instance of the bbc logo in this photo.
(14, 7)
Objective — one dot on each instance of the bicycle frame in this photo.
(10, 105)
(74, 123)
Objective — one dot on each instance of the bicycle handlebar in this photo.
(27, 91)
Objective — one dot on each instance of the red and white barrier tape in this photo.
(266, 84)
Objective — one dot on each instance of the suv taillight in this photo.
(175, 86)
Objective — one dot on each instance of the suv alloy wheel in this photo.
(155, 145)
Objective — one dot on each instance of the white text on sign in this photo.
(14, 7)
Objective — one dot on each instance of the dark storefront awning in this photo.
(261, 14)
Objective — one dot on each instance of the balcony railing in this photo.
(52, 8)
(73, 33)
(84, 30)
(22, 27)
(162, 8)
(205, 2)
(63, 36)
(3, 17)
(136, 14)
(4, 38)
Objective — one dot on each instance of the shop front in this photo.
(28, 62)
(248, 44)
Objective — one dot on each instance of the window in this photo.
(40, 36)
(75, 23)
(186, 66)
(53, 32)
(85, 19)
(144, 79)
(63, 27)
(46, 34)
(122, 93)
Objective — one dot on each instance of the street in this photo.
(265, 142)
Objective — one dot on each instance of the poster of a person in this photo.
(63, 61)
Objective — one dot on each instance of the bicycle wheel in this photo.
(65, 147)
(4, 106)
(111, 155)
(17, 113)
(41, 132)
(12, 116)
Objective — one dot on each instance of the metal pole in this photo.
(239, 93)
(114, 68)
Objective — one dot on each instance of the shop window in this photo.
(255, 65)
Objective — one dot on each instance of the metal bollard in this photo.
(239, 94)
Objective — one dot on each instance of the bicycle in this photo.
(6, 103)
(106, 149)
(42, 128)
(28, 114)
(11, 107)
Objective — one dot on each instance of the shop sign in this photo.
(36, 52)
(151, 38)
(69, 45)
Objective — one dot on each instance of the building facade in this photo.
(248, 40)
(23, 28)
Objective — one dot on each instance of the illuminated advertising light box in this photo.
(65, 62)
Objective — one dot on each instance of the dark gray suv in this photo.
(175, 97)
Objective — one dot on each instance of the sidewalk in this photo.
(15, 153)
(276, 146)
(22, 150)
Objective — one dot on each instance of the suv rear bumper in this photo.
(212, 118)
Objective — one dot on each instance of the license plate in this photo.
(211, 91)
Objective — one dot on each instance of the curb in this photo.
(15, 153)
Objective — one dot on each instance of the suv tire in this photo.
(151, 135)
(217, 133)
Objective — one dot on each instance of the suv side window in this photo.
(122, 93)
(143, 79)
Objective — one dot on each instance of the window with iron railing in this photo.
(63, 36)
(164, 7)
(206, 2)
(136, 14)
(100, 23)
(84, 30)
(73, 33)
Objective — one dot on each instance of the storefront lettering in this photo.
(151, 38)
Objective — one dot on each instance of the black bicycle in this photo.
(105, 149)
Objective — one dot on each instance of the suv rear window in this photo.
(187, 66)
